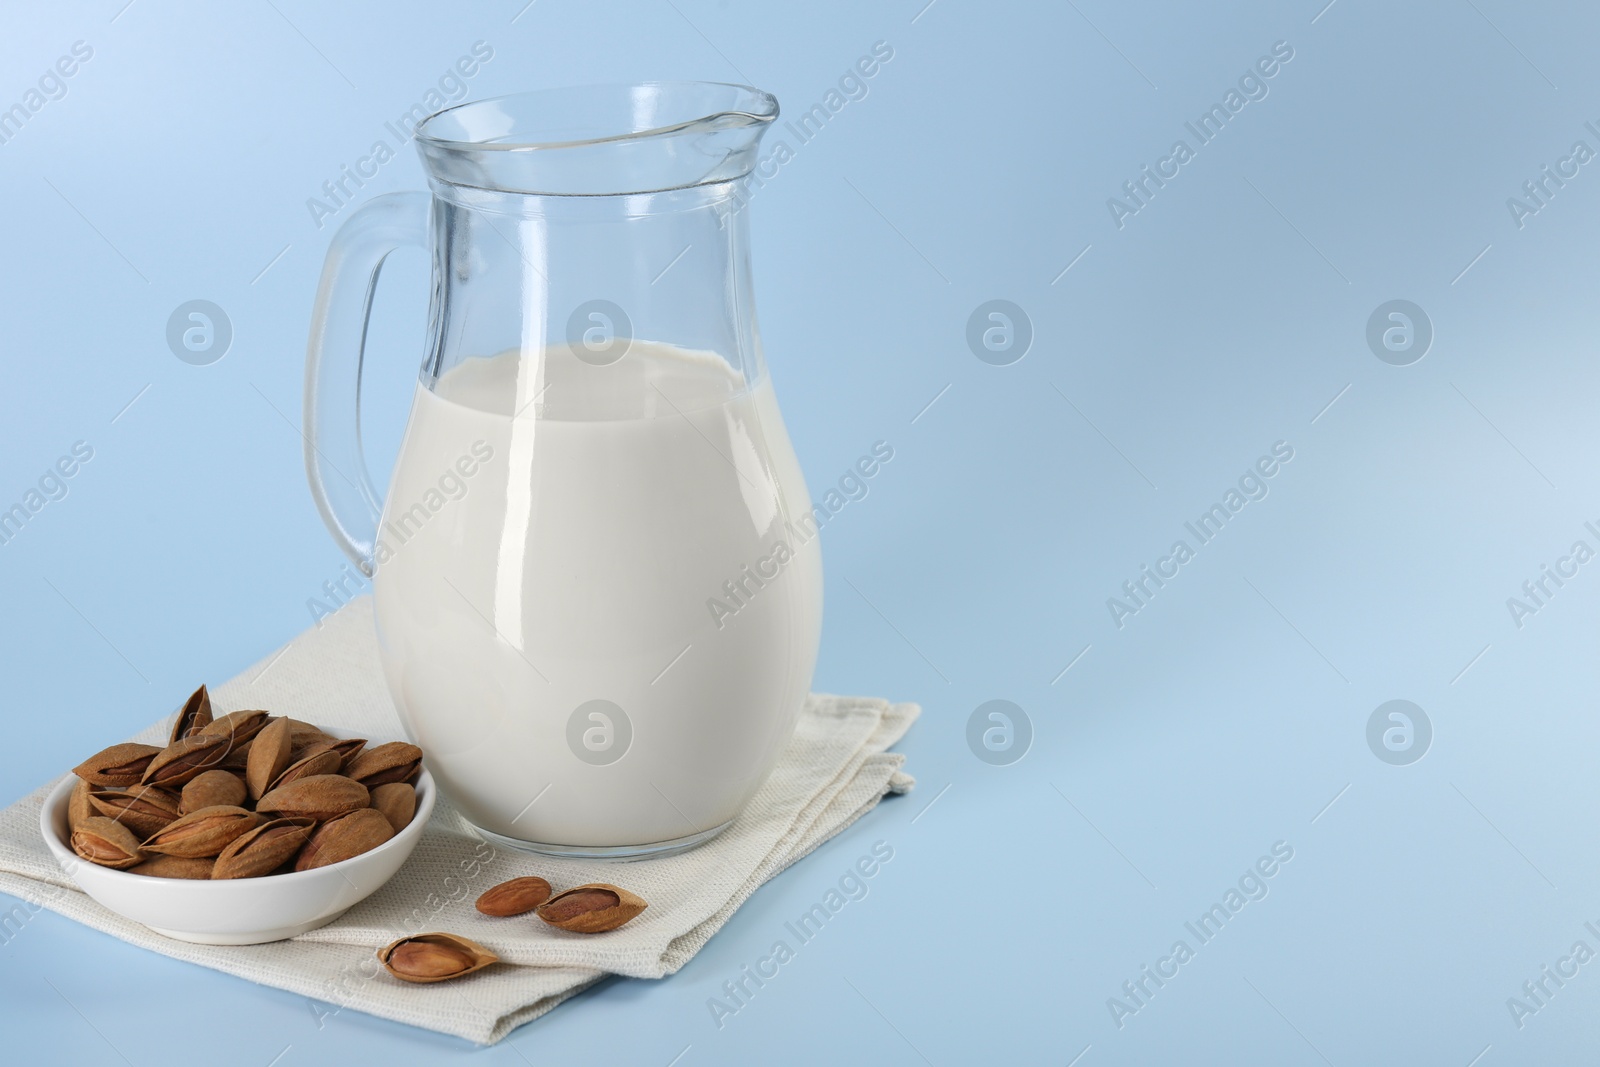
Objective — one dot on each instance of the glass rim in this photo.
(761, 109)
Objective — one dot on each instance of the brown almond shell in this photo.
(434, 957)
(78, 806)
(194, 716)
(264, 849)
(303, 734)
(237, 760)
(142, 809)
(324, 761)
(591, 909)
(344, 837)
(106, 842)
(320, 797)
(119, 765)
(347, 748)
(185, 759)
(203, 833)
(397, 801)
(269, 755)
(158, 866)
(394, 761)
(211, 788)
(240, 726)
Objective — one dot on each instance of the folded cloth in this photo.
(835, 770)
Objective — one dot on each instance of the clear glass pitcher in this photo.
(596, 577)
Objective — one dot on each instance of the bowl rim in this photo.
(61, 793)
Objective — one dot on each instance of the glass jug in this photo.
(596, 578)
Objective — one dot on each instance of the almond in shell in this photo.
(158, 866)
(78, 806)
(397, 801)
(591, 909)
(239, 726)
(210, 789)
(264, 849)
(185, 759)
(434, 957)
(106, 842)
(396, 761)
(142, 809)
(269, 755)
(320, 797)
(194, 716)
(312, 763)
(237, 759)
(119, 765)
(344, 836)
(347, 748)
(203, 833)
(304, 734)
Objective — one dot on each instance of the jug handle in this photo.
(335, 464)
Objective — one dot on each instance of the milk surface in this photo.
(557, 539)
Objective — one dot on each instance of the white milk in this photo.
(555, 534)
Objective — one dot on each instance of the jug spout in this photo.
(599, 141)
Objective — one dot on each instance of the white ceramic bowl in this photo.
(235, 911)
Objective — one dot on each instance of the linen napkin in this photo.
(834, 771)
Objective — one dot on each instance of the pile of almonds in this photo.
(252, 794)
(585, 909)
(245, 795)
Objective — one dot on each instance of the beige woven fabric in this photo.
(834, 771)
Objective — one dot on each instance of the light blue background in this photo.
(1220, 319)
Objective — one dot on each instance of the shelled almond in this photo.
(438, 957)
(516, 897)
